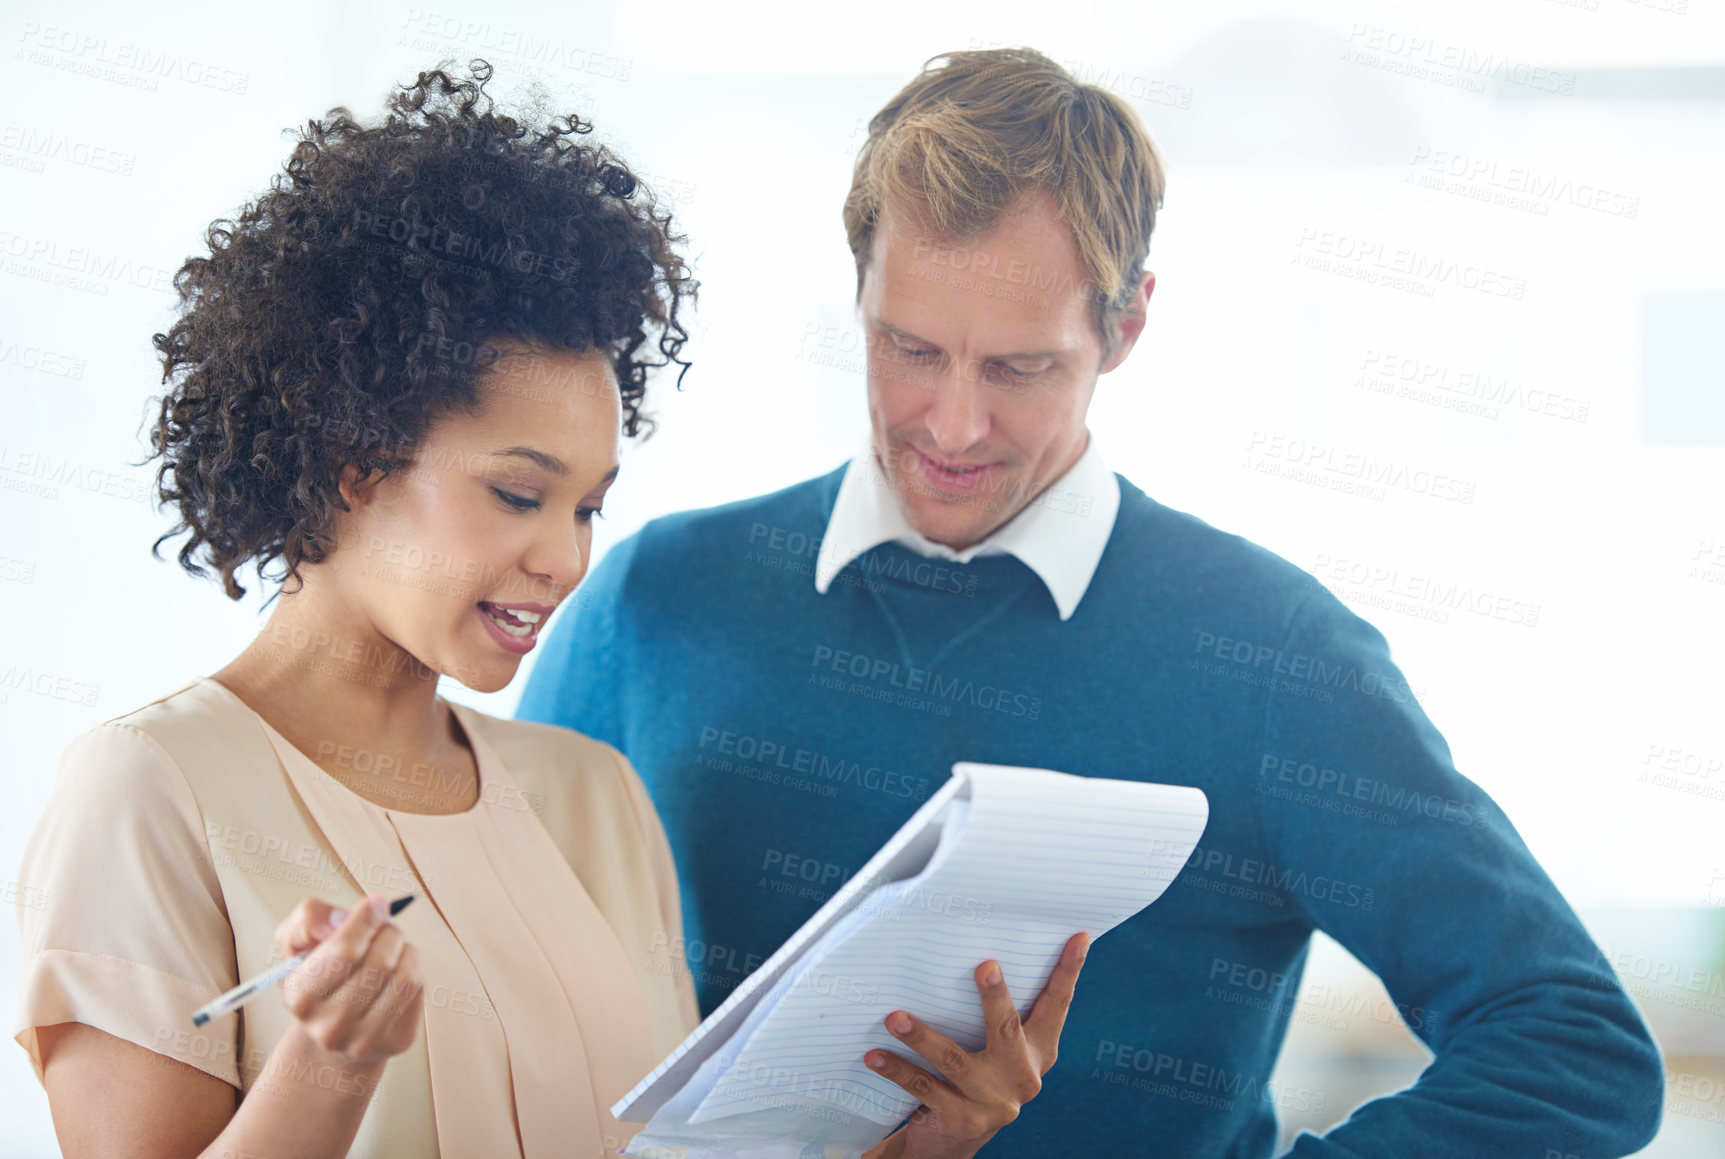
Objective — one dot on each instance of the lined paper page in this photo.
(1040, 856)
(680, 1065)
(1001, 862)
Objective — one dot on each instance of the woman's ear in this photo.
(356, 491)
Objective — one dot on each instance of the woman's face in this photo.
(459, 560)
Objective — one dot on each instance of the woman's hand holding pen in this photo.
(983, 1090)
(359, 993)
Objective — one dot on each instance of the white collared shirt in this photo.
(1059, 535)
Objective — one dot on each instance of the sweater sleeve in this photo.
(574, 682)
(1384, 846)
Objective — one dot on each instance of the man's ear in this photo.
(1129, 324)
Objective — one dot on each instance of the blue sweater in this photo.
(785, 734)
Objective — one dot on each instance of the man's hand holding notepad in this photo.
(1000, 863)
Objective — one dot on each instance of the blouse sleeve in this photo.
(121, 914)
(665, 883)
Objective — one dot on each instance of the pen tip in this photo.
(200, 1019)
(399, 904)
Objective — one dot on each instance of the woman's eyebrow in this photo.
(550, 462)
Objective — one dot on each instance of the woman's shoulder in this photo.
(158, 754)
(197, 711)
(154, 737)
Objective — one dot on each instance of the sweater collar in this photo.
(1059, 535)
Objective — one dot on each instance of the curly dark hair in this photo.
(357, 301)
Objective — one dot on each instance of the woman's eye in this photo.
(516, 501)
(586, 514)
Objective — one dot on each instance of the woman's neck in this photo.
(352, 701)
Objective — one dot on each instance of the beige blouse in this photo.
(547, 923)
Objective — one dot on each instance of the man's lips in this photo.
(953, 476)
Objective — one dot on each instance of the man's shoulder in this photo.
(797, 507)
(1185, 562)
(705, 538)
(1179, 540)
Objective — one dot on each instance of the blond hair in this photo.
(958, 144)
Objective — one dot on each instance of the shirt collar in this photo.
(1060, 535)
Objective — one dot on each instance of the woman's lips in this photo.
(512, 633)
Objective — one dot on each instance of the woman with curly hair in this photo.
(401, 374)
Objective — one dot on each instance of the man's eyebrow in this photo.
(1025, 354)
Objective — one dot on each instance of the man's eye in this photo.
(518, 502)
(915, 352)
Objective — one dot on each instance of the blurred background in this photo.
(1470, 242)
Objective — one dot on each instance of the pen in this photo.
(258, 983)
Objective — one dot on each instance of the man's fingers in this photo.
(930, 1091)
(939, 1051)
(1048, 1016)
(999, 1015)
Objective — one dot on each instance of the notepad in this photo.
(1000, 862)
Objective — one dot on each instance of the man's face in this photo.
(982, 358)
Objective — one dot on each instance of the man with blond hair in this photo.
(793, 674)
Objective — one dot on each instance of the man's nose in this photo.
(958, 416)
